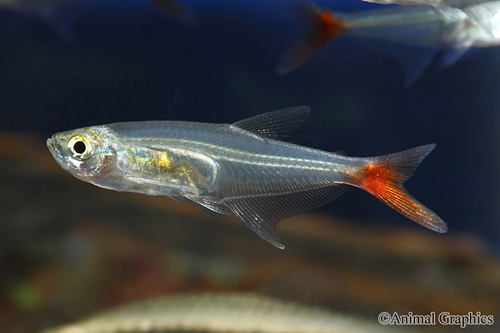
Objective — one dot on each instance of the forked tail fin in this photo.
(321, 27)
(384, 177)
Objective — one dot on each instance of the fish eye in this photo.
(80, 146)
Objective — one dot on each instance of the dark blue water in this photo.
(131, 62)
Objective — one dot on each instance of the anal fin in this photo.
(262, 213)
(413, 60)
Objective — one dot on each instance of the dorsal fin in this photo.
(277, 124)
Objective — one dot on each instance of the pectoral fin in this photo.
(277, 124)
(177, 198)
(262, 213)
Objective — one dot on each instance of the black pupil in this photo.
(79, 147)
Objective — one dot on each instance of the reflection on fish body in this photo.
(235, 312)
(433, 3)
(236, 169)
(450, 30)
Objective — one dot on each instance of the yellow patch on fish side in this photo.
(163, 160)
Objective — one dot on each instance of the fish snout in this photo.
(54, 149)
(49, 142)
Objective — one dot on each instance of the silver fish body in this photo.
(486, 17)
(433, 3)
(455, 24)
(426, 26)
(211, 312)
(222, 168)
(422, 31)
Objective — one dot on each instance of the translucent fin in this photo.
(451, 56)
(415, 64)
(60, 23)
(176, 10)
(412, 59)
(262, 213)
(277, 124)
(384, 177)
(61, 18)
(177, 199)
(210, 207)
(321, 27)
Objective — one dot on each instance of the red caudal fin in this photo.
(384, 177)
(321, 26)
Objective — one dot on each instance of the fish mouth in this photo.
(54, 149)
(50, 144)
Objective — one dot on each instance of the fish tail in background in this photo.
(384, 177)
(176, 10)
(61, 19)
(60, 22)
(321, 26)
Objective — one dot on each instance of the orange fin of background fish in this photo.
(321, 26)
(384, 177)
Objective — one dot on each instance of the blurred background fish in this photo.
(61, 15)
(434, 3)
(450, 30)
(223, 312)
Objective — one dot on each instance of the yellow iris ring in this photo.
(88, 147)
